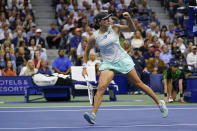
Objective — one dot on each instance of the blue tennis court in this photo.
(116, 118)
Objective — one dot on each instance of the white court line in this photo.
(100, 106)
(112, 126)
(78, 110)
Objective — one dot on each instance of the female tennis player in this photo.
(115, 59)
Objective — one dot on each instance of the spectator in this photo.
(7, 37)
(59, 6)
(27, 23)
(157, 31)
(32, 47)
(8, 70)
(61, 64)
(189, 49)
(27, 51)
(174, 48)
(157, 45)
(21, 59)
(164, 28)
(93, 61)
(78, 15)
(5, 45)
(44, 68)
(3, 19)
(167, 42)
(91, 15)
(68, 25)
(133, 7)
(178, 16)
(154, 18)
(7, 50)
(19, 38)
(162, 38)
(170, 33)
(137, 40)
(80, 50)
(88, 32)
(143, 7)
(53, 37)
(62, 18)
(173, 83)
(180, 31)
(83, 21)
(74, 42)
(127, 46)
(154, 39)
(144, 48)
(38, 38)
(173, 5)
(156, 65)
(6, 58)
(152, 28)
(165, 55)
(181, 45)
(65, 38)
(32, 32)
(37, 59)
(142, 31)
(29, 69)
(20, 27)
(42, 51)
(150, 53)
(13, 5)
(192, 59)
(149, 36)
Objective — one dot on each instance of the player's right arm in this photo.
(91, 43)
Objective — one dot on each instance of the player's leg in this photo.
(133, 77)
(105, 78)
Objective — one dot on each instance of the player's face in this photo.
(105, 22)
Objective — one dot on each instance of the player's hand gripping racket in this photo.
(90, 90)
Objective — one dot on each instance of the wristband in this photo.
(84, 65)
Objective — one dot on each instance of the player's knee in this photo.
(101, 88)
(139, 84)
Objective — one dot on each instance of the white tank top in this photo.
(109, 45)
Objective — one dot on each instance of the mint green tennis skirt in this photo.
(124, 65)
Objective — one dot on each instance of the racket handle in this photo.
(86, 77)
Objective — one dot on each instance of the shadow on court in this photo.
(116, 118)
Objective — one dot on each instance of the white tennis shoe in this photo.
(163, 109)
(90, 117)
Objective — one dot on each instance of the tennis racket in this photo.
(90, 91)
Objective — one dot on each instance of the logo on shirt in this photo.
(105, 36)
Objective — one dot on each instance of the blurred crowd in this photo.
(156, 45)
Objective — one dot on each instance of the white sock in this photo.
(93, 113)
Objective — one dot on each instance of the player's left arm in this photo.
(125, 28)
